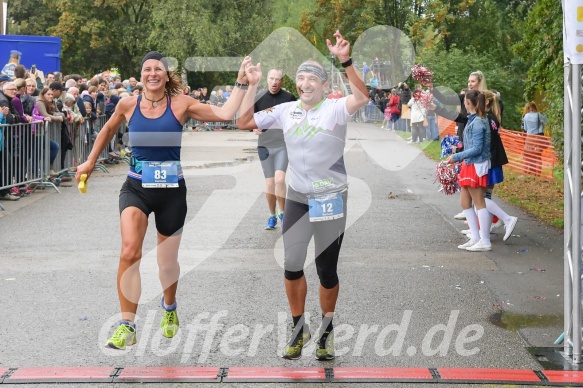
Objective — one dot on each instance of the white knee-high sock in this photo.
(472, 223)
(485, 223)
(497, 210)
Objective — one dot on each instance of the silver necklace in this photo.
(154, 103)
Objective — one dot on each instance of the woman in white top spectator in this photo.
(534, 144)
(46, 110)
(418, 113)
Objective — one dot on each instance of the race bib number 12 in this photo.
(326, 207)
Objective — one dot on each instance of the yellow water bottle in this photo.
(83, 184)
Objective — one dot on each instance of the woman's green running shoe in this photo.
(124, 335)
(169, 324)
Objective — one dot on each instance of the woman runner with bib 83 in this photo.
(155, 183)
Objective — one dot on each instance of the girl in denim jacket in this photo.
(473, 176)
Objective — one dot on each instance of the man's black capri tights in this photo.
(297, 233)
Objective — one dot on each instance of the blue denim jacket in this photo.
(476, 141)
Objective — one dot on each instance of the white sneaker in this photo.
(496, 225)
(460, 216)
(479, 247)
(466, 232)
(468, 244)
(509, 227)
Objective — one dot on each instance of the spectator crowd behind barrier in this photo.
(81, 137)
(25, 152)
(527, 154)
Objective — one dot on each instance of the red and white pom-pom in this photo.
(423, 98)
(447, 177)
(421, 73)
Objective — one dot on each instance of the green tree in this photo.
(457, 37)
(102, 34)
(542, 49)
(289, 13)
(510, 25)
(377, 29)
(205, 28)
(459, 23)
(353, 17)
(452, 69)
(31, 17)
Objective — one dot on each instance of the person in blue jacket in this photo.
(473, 176)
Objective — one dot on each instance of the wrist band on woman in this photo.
(241, 86)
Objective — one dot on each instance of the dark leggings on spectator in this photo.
(418, 131)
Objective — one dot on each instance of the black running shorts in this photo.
(167, 204)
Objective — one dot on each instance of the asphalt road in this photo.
(409, 297)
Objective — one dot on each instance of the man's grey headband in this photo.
(313, 69)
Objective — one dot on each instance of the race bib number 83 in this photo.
(159, 174)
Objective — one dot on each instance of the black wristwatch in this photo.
(347, 63)
(241, 86)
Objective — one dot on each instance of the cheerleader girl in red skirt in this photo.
(473, 176)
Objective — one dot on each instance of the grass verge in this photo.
(542, 198)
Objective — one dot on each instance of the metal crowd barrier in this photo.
(81, 137)
(192, 125)
(26, 148)
(372, 114)
(24, 158)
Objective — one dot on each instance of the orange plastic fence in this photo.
(527, 154)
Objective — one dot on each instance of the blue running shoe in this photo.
(281, 218)
(271, 222)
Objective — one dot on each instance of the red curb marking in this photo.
(474, 374)
(61, 373)
(3, 371)
(382, 373)
(276, 373)
(168, 373)
(564, 376)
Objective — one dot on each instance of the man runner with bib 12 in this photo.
(315, 135)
